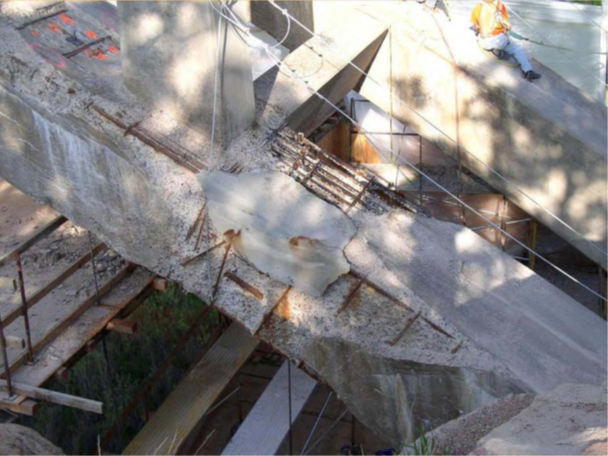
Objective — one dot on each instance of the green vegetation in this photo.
(162, 320)
(424, 446)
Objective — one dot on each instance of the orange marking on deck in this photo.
(54, 27)
(91, 34)
(113, 49)
(67, 19)
(35, 34)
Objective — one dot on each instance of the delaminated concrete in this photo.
(54, 146)
(547, 138)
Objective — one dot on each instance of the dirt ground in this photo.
(20, 218)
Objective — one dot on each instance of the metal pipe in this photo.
(24, 313)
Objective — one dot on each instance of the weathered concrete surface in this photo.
(329, 74)
(143, 205)
(546, 137)
(570, 419)
(462, 277)
(169, 55)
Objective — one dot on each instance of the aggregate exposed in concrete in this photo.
(570, 419)
(155, 202)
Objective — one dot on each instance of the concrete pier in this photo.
(170, 56)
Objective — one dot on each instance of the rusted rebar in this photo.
(245, 286)
(84, 47)
(24, 312)
(216, 287)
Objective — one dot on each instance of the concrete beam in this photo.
(283, 100)
(547, 138)
(143, 205)
(169, 55)
(273, 21)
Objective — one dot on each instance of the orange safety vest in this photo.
(484, 17)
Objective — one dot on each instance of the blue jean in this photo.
(503, 43)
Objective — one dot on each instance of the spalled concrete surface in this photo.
(570, 419)
(56, 147)
(547, 138)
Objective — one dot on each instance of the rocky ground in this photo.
(16, 439)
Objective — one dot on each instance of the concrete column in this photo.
(169, 52)
(274, 22)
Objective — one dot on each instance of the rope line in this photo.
(450, 139)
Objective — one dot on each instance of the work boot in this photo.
(531, 75)
(500, 54)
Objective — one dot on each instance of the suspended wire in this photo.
(280, 64)
(439, 130)
(326, 433)
(314, 428)
(211, 147)
(438, 185)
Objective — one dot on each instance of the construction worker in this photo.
(491, 24)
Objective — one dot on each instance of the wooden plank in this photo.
(15, 342)
(123, 326)
(60, 327)
(195, 394)
(160, 284)
(8, 284)
(42, 293)
(268, 422)
(42, 232)
(27, 407)
(55, 397)
(72, 342)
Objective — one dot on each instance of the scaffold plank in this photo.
(195, 394)
(42, 232)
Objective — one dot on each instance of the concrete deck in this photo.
(547, 138)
